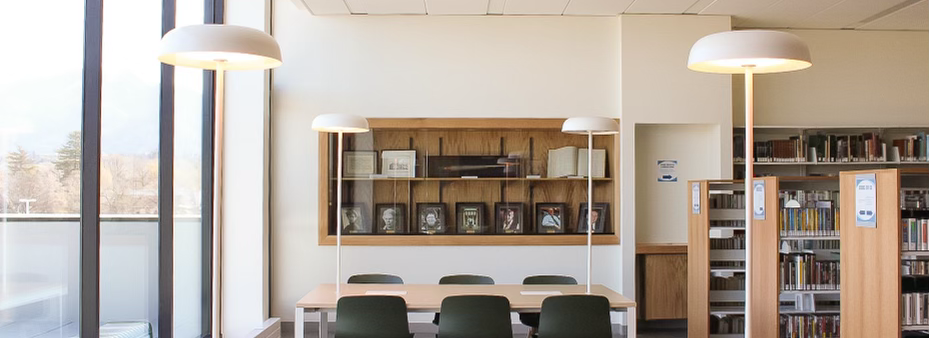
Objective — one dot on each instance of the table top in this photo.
(428, 297)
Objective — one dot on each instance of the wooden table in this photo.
(428, 298)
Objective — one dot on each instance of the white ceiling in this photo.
(822, 14)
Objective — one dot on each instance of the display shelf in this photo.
(525, 143)
(915, 253)
(820, 310)
(727, 310)
(810, 238)
(835, 163)
(915, 327)
(811, 292)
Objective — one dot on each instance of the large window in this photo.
(45, 180)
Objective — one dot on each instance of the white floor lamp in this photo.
(590, 126)
(220, 48)
(339, 123)
(749, 52)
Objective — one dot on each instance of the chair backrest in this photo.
(466, 279)
(575, 316)
(550, 279)
(475, 316)
(371, 316)
(375, 278)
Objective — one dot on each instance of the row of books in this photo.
(727, 201)
(736, 282)
(727, 264)
(808, 198)
(809, 222)
(806, 245)
(804, 272)
(727, 324)
(810, 326)
(915, 268)
(915, 300)
(727, 224)
(736, 242)
(915, 200)
(913, 147)
(915, 234)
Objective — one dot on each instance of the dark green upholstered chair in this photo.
(475, 316)
(532, 319)
(375, 278)
(463, 280)
(371, 317)
(575, 316)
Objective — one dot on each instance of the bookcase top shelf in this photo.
(479, 179)
(838, 163)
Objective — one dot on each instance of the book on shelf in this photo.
(913, 147)
(915, 300)
(598, 163)
(915, 234)
(562, 162)
(814, 213)
(915, 267)
(826, 148)
(803, 272)
(810, 326)
(727, 201)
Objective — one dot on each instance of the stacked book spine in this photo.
(810, 326)
(802, 272)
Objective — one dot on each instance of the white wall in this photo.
(858, 78)
(417, 66)
(657, 88)
(660, 206)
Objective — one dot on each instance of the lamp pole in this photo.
(218, 126)
(338, 221)
(590, 204)
(749, 192)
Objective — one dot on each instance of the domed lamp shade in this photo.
(219, 48)
(749, 52)
(338, 123)
(590, 126)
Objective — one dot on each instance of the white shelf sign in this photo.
(758, 211)
(667, 170)
(866, 200)
(695, 197)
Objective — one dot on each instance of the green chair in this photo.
(575, 316)
(463, 280)
(475, 316)
(371, 317)
(375, 278)
(532, 319)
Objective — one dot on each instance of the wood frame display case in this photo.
(872, 300)
(526, 141)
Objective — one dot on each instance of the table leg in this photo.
(323, 324)
(299, 321)
(630, 322)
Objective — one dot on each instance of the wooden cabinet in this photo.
(519, 144)
(663, 280)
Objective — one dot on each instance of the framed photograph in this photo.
(359, 163)
(470, 218)
(390, 218)
(430, 218)
(355, 219)
(550, 218)
(398, 163)
(509, 218)
(600, 216)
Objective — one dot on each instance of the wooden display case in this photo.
(525, 142)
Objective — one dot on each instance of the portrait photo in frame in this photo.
(390, 218)
(398, 163)
(601, 217)
(550, 218)
(359, 163)
(470, 218)
(355, 219)
(509, 218)
(430, 218)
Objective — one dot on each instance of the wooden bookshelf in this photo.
(528, 139)
(872, 303)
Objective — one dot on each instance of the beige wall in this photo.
(858, 78)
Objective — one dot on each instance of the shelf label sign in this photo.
(866, 200)
(667, 170)
(758, 211)
(695, 197)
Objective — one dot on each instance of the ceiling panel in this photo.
(323, 7)
(914, 17)
(659, 6)
(542, 7)
(386, 6)
(785, 13)
(456, 7)
(698, 6)
(495, 6)
(738, 7)
(847, 13)
(597, 7)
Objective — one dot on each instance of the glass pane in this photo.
(129, 166)
(188, 135)
(40, 168)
